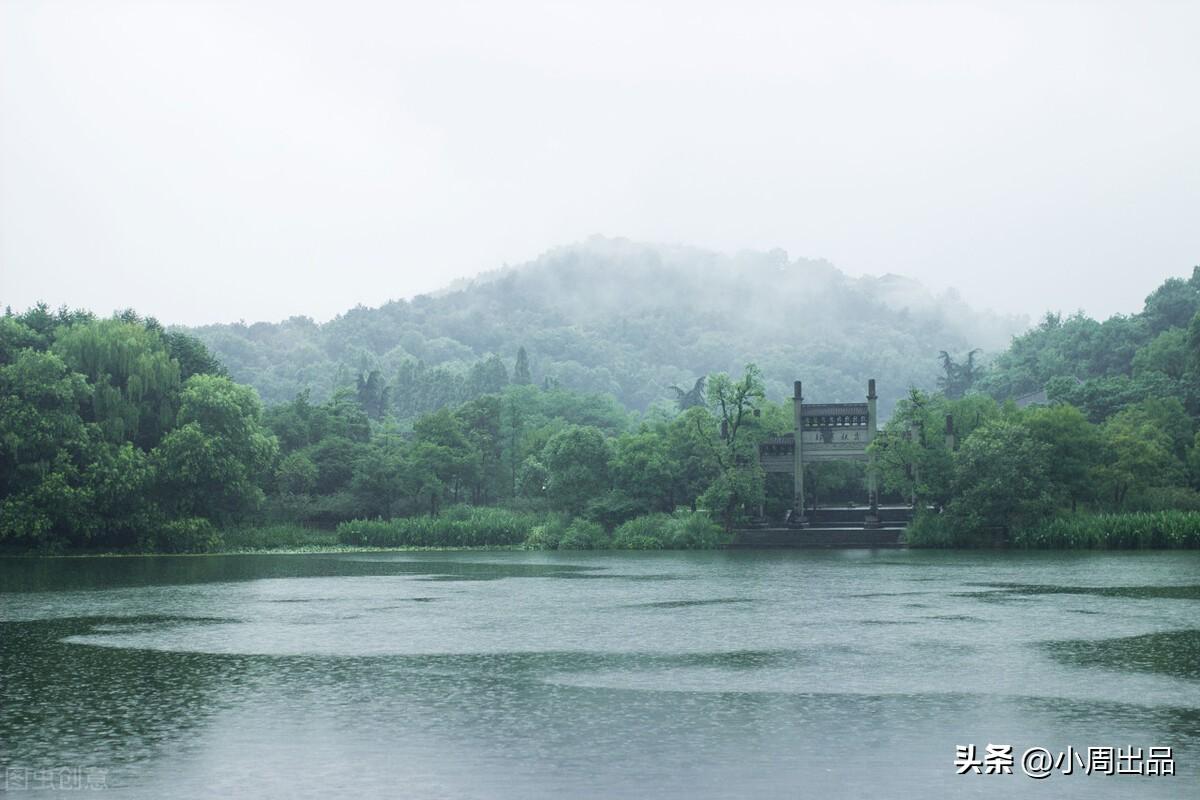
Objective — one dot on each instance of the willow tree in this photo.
(135, 382)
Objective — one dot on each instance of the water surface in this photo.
(539, 675)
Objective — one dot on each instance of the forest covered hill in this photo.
(628, 319)
(116, 433)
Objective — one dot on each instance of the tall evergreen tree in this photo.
(521, 374)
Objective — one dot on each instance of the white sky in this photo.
(215, 161)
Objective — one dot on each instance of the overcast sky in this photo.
(216, 161)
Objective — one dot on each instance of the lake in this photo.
(562, 675)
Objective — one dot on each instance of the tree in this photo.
(192, 356)
(489, 376)
(642, 471)
(734, 404)
(691, 398)
(513, 425)
(135, 382)
(1074, 447)
(1167, 354)
(44, 449)
(382, 477)
(16, 336)
(910, 451)
(443, 457)
(481, 420)
(374, 395)
(1000, 478)
(212, 465)
(522, 376)
(576, 462)
(741, 479)
(690, 451)
(958, 379)
(1173, 304)
(1145, 446)
(296, 474)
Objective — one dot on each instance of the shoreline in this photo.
(278, 551)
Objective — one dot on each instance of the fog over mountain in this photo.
(626, 318)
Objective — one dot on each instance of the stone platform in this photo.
(832, 528)
(818, 537)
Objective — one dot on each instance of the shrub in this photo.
(267, 537)
(548, 534)
(1157, 529)
(612, 508)
(583, 534)
(187, 535)
(683, 530)
(1157, 498)
(476, 527)
(695, 531)
(643, 533)
(930, 529)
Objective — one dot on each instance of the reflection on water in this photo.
(662, 674)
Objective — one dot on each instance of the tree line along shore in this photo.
(119, 435)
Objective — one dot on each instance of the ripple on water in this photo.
(1174, 653)
(1136, 592)
(719, 601)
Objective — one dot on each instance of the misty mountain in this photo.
(629, 319)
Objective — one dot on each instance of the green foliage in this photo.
(929, 529)
(612, 508)
(135, 382)
(546, 535)
(192, 356)
(296, 474)
(642, 471)
(185, 535)
(576, 462)
(1145, 447)
(740, 485)
(45, 448)
(471, 528)
(116, 433)
(1167, 355)
(213, 464)
(651, 317)
(695, 531)
(1074, 448)
(374, 395)
(680, 531)
(522, 375)
(1158, 498)
(1159, 529)
(643, 533)
(932, 530)
(276, 537)
(583, 534)
(691, 398)
(911, 452)
(1074, 347)
(1000, 479)
(1173, 304)
(958, 378)
(734, 494)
